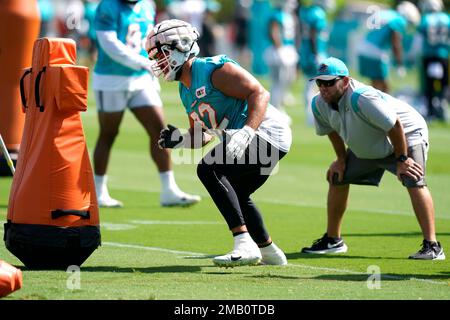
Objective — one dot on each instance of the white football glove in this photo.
(239, 141)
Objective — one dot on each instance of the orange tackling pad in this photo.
(19, 25)
(52, 202)
(10, 279)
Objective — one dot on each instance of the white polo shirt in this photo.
(364, 119)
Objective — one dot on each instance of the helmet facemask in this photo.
(170, 45)
(168, 61)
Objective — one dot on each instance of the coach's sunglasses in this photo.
(327, 83)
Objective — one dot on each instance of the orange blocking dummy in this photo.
(10, 279)
(53, 213)
(19, 28)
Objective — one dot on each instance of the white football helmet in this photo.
(431, 6)
(409, 11)
(171, 43)
(327, 5)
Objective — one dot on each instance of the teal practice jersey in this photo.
(380, 33)
(435, 28)
(206, 104)
(131, 24)
(90, 8)
(313, 17)
(287, 25)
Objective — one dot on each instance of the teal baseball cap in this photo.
(331, 68)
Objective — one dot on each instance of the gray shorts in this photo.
(117, 101)
(370, 171)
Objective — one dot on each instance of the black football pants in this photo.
(230, 183)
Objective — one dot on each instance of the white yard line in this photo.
(295, 265)
(186, 222)
(133, 224)
(134, 246)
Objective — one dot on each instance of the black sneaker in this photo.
(326, 245)
(431, 250)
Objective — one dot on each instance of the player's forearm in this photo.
(119, 52)
(234, 81)
(397, 48)
(257, 105)
(338, 145)
(398, 139)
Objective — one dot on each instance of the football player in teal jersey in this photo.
(314, 35)
(218, 94)
(281, 56)
(122, 78)
(385, 34)
(435, 31)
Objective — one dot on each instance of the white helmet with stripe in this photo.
(171, 43)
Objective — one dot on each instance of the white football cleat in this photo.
(108, 202)
(245, 252)
(242, 256)
(272, 255)
(180, 198)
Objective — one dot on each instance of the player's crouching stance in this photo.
(218, 94)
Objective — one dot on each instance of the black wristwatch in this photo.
(402, 158)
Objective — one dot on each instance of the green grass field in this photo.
(149, 252)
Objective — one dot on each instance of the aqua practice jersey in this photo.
(131, 24)
(287, 26)
(312, 18)
(206, 104)
(435, 28)
(90, 8)
(380, 35)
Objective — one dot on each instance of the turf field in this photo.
(149, 252)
